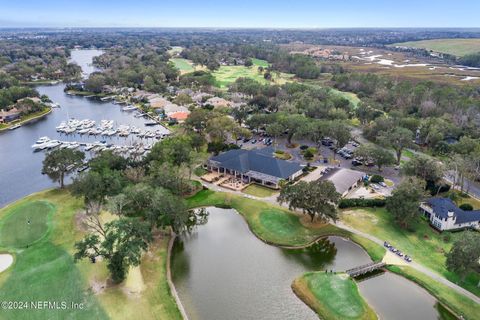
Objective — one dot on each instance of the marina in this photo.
(21, 166)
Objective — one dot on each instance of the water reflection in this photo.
(317, 256)
(222, 271)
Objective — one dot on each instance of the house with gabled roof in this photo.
(258, 165)
(444, 214)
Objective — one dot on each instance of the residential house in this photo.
(218, 102)
(444, 214)
(9, 116)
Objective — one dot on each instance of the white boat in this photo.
(55, 105)
(69, 130)
(43, 139)
(129, 108)
(110, 132)
(15, 127)
(73, 145)
(52, 144)
(83, 131)
(40, 146)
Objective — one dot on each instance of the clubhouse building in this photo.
(254, 166)
(444, 214)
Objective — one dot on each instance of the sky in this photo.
(240, 13)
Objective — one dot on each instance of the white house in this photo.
(445, 215)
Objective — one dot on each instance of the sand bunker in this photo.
(6, 261)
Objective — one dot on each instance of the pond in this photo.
(222, 271)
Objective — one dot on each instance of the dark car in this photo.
(254, 141)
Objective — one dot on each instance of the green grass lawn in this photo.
(226, 75)
(46, 271)
(260, 63)
(25, 224)
(259, 191)
(332, 296)
(457, 47)
(425, 245)
(184, 65)
(455, 301)
(276, 225)
(350, 96)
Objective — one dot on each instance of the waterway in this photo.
(20, 167)
(222, 271)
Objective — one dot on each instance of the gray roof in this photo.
(343, 179)
(261, 161)
(441, 207)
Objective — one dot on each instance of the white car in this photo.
(383, 184)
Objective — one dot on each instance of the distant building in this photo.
(444, 214)
(344, 180)
(258, 166)
(218, 102)
(179, 116)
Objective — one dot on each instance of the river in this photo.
(20, 167)
(222, 271)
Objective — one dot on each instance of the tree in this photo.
(240, 132)
(398, 139)
(317, 198)
(292, 124)
(340, 133)
(61, 162)
(404, 202)
(219, 128)
(274, 130)
(121, 246)
(465, 253)
(240, 113)
(425, 168)
(95, 82)
(380, 156)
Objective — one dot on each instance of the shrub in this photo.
(466, 207)
(350, 203)
(376, 178)
(303, 147)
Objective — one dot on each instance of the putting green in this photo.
(25, 224)
(333, 296)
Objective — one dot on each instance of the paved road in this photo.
(414, 265)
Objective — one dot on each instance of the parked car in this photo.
(407, 258)
(383, 184)
(375, 186)
(399, 253)
(386, 244)
(254, 141)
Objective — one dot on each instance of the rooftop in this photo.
(343, 179)
(257, 160)
(441, 207)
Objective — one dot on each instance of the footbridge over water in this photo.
(366, 268)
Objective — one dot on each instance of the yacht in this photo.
(129, 108)
(52, 144)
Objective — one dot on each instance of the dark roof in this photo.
(441, 207)
(262, 161)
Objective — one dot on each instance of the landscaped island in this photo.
(332, 296)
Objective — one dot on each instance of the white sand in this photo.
(6, 261)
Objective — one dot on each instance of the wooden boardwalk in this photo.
(369, 267)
